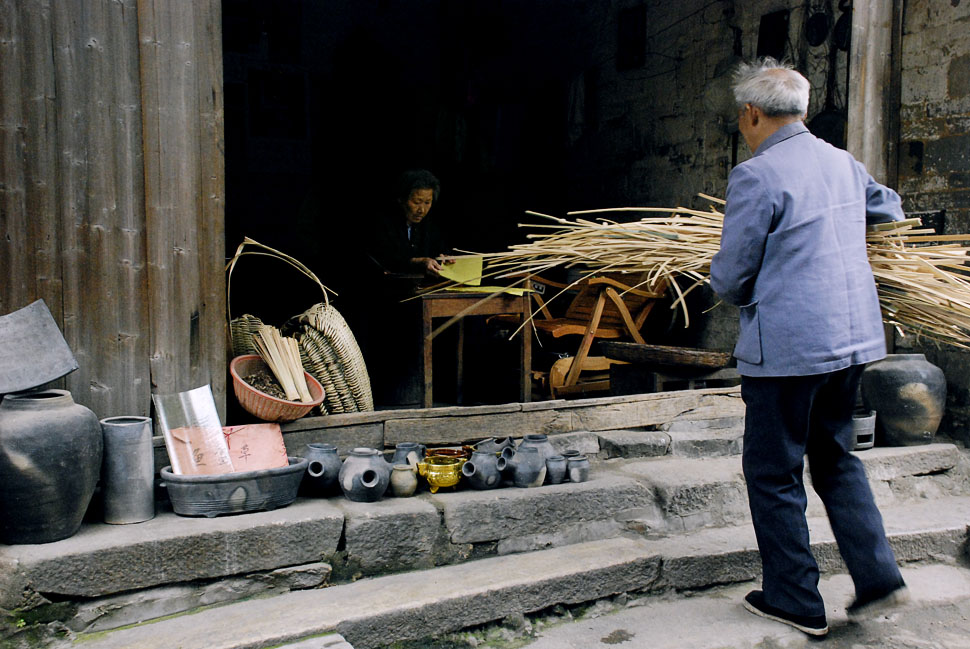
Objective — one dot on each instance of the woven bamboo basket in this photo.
(328, 349)
(331, 354)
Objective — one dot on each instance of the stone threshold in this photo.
(382, 429)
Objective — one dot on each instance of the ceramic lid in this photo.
(32, 349)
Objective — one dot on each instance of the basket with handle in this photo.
(328, 349)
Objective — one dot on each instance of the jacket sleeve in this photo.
(882, 203)
(748, 216)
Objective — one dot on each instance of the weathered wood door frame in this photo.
(112, 190)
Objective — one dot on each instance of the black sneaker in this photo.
(811, 624)
(875, 604)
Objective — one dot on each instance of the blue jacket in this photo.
(793, 257)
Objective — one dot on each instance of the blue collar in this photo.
(783, 133)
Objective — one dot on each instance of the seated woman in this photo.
(407, 240)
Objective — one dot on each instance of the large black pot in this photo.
(908, 394)
(50, 459)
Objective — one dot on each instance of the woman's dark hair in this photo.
(417, 179)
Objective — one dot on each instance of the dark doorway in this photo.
(327, 102)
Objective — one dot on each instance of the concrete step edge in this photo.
(374, 612)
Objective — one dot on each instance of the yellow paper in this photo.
(508, 290)
(465, 270)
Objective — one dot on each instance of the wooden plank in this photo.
(666, 356)
(100, 204)
(212, 198)
(179, 45)
(28, 251)
(457, 430)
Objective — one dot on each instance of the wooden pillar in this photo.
(873, 113)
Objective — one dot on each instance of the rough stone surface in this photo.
(896, 462)
(634, 443)
(132, 608)
(563, 535)
(328, 641)
(105, 559)
(372, 613)
(375, 612)
(695, 493)
(582, 440)
(474, 517)
(936, 617)
(705, 441)
(390, 535)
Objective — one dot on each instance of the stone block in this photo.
(695, 493)
(706, 442)
(105, 559)
(329, 641)
(475, 517)
(120, 610)
(889, 463)
(634, 443)
(583, 441)
(568, 534)
(391, 535)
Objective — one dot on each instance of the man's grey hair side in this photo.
(776, 88)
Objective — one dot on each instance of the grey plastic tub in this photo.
(234, 493)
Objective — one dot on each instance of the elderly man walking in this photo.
(793, 258)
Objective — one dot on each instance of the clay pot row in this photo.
(364, 476)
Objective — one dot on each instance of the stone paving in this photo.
(664, 511)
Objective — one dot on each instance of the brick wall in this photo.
(660, 133)
(934, 154)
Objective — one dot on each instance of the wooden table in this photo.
(446, 304)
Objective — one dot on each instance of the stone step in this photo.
(374, 612)
(126, 574)
(937, 616)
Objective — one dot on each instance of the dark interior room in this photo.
(328, 102)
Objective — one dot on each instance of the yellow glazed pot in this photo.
(441, 471)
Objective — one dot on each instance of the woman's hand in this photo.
(428, 265)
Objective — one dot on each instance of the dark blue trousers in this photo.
(786, 419)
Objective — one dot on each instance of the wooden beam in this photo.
(873, 103)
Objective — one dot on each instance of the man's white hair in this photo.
(776, 88)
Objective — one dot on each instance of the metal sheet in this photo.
(32, 349)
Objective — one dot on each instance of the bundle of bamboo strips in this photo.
(922, 278)
(282, 355)
(923, 281)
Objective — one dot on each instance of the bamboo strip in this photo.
(922, 278)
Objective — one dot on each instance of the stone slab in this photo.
(328, 641)
(720, 622)
(634, 443)
(889, 463)
(376, 612)
(694, 493)
(480, 516)
(104, 559)
(104, 613)
(583, 441)
(705, 441)
(391, 535)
